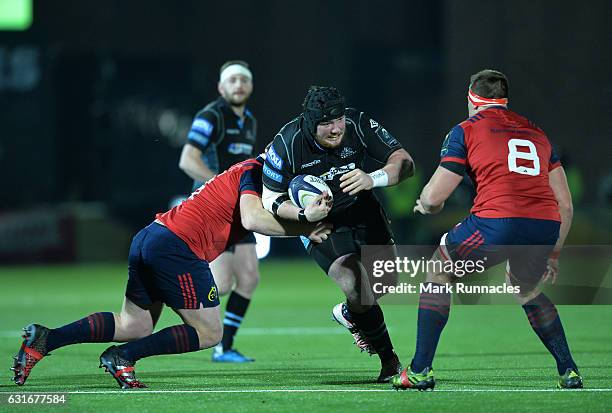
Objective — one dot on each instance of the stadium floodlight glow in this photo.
(15, 14)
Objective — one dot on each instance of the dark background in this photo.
(97, 97)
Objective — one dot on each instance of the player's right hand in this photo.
(319, 208)
(320, 232)
(420, 208)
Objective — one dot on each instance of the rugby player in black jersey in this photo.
(331, 141)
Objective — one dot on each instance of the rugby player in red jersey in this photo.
(522, 200)
(169, 264)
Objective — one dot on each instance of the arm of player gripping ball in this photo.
(399, 166)
(255, 218)
(279, 204)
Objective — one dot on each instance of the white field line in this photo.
(308, 391)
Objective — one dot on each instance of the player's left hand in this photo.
(552, 269)
(320, 232)
(355, 182)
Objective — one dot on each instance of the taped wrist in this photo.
(302, 217)
(278, 202)
(380, 178)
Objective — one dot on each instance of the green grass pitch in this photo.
(489, 359)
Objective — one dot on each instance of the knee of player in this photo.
(223, 288)
(217, 334)
(132, 327)
(440, 277)
(209, 333)
(346, 266)
(349, 287)
(139, 329)
(524, 292)
(249, 278)
(346, 281)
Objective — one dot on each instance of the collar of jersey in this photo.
(497, 107)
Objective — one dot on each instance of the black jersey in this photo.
(294, 152)
(222, 136)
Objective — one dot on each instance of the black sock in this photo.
(545, 321)
(372, 325)
(95, 328)
(434, 309)
(235, 310)
(171, 340)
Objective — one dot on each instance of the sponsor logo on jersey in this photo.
(346, 152)
(232, 131)
(203, 126)
(240, 148)
(309, 164)
(333, 172)
(274, 159)
(272, 175)
(373, 124)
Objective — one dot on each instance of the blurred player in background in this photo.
(168, 264)
(330, 141)
(522, 200)
(222, 134)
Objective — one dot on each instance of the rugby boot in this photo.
(120, 368)
(570, 380)
(33, 349)
(408, 379)
(342, 316)
(229, 356)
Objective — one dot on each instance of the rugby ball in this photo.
(303, 189)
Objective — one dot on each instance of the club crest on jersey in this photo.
(333, 172)
(346, 152)
(212, 294)
(444, 149)
(274, 159)
(386, 137)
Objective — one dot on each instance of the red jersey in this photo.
(209, 220)
(509, 159)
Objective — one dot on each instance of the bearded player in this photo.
(331, 141)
